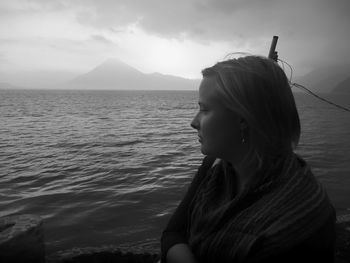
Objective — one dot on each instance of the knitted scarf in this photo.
(280, 208)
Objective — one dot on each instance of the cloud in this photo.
(311, 31)
(208, 20)
(227, 17)
(3, 60)
(101, 39)
(22, 7)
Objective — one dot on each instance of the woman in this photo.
(253, 199)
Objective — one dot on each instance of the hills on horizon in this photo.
(114, 74)
(343, 87)
(327, 78)
(6, 85)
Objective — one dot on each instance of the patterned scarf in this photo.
(283, 205)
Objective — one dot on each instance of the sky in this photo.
(171, 37)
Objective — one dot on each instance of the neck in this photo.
(244, 174)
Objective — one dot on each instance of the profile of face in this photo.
(219, 129)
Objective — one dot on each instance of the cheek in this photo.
(221, 133)
(228, 138)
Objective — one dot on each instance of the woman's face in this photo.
(219, 129)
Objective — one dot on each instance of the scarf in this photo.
(282, 206)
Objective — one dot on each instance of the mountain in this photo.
(115, 74)
(325, 78)
(6, 85)
(41, 79)
(343, 86)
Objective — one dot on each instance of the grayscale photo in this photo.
(188, 131)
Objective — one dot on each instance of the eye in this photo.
(203, 111)
(201, 108)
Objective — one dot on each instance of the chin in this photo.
(205, 151)
(212, 152)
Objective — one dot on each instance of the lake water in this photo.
(107, 168)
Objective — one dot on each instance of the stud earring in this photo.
(242, 137)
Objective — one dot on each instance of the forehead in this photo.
(208, 91)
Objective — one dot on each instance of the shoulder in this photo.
(325, 235)
(319, 247)
(297, 211)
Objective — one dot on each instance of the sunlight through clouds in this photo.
(171, 37)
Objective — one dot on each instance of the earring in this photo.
(242, 137)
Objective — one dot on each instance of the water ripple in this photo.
(108, 168)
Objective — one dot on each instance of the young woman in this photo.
(253, 199)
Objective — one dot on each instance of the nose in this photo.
(195, 122)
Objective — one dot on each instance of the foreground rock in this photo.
(105, 255)
(343, 239)
(21, 239)
(126, 255)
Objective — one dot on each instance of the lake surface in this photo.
(107, 168)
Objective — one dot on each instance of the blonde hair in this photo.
(258, 90)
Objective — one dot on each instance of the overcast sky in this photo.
(172, 37)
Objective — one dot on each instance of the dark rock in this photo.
(128, 255)
(21, 239)
(103, 255)
(342, 252)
